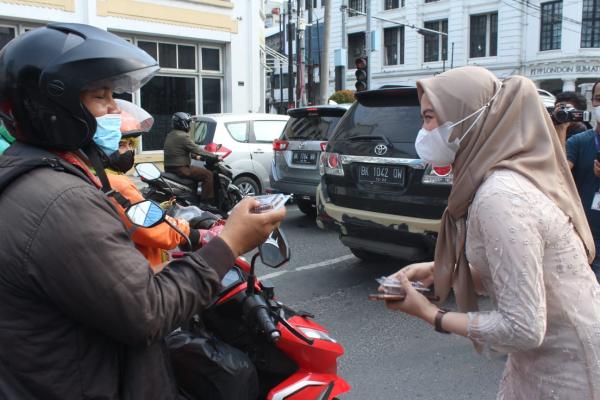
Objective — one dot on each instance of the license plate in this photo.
(383, 174)
(304, 157)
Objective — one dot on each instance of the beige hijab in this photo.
(515, 132)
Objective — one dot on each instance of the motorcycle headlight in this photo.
(316, 334)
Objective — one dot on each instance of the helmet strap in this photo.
(93, 152)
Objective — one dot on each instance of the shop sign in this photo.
(567, 69)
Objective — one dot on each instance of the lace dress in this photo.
(546, 298)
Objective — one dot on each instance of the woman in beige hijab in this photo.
(515, 229)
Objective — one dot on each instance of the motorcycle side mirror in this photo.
(146, 214)
(148, 171)
(275, 251)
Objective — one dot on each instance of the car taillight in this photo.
(218, 149)
(442, 171)
(323, 146)
(437, 175)
(331, 164)
(280, 145)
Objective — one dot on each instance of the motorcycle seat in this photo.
(174, 177)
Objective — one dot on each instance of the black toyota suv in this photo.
(374, 189)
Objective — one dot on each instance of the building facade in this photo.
(207, 50)
(555, 43)
(309, 15)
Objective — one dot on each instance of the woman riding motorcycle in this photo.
(151, 242)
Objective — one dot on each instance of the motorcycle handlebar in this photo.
(264, 321)
(256, 309)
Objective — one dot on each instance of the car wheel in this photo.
(247, 186)
(366, 255)
(307, 207)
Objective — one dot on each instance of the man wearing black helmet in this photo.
(82, 314)
(180, 148)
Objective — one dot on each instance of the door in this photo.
(261, 145)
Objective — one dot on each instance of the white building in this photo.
(277, 38)
(556, 43)
(207, 49)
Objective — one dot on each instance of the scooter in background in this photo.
(163, 186)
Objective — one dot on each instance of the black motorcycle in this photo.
(165, 186)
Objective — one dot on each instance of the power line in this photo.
(539, 9)
(537, 16)
(418, 29)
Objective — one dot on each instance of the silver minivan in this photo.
(296, 153)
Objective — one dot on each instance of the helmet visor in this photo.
(134, 119)
(125, 83)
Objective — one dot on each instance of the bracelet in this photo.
(438, 321)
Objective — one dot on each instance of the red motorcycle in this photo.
(294, 357)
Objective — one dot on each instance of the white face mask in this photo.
(434, 146)
(597, 113)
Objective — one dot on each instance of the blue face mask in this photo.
(108, 133)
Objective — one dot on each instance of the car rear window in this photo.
(397, 118)
(203, 131)
(267, 131)
(310, 127)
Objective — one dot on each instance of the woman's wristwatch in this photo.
(438, 321)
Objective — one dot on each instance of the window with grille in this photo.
(483, 35)
(190, 80)
(391, 4)
(358, 5)
(393, 42)
(435, 46)
(551, 25)
(590, 24)
(356, 48)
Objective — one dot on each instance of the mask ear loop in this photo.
(480, 111)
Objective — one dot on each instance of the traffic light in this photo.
(361, 74)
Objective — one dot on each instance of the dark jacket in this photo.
(81, 314)
(178, 147)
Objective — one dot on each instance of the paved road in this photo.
(388, 355)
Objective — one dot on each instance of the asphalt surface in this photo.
(389, 355)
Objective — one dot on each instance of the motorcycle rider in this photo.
(151, 242)
(180, 148)
(82, 314)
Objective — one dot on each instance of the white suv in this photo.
(246, 142)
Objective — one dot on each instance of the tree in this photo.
(343, 96)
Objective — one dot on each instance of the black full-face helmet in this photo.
(44, 71)
(181, 121)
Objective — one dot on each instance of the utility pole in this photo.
(282, 51)
(344, 42)
(309, 64)
(324, 66)
(368, 44)
(300, 27)
(290, 35)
